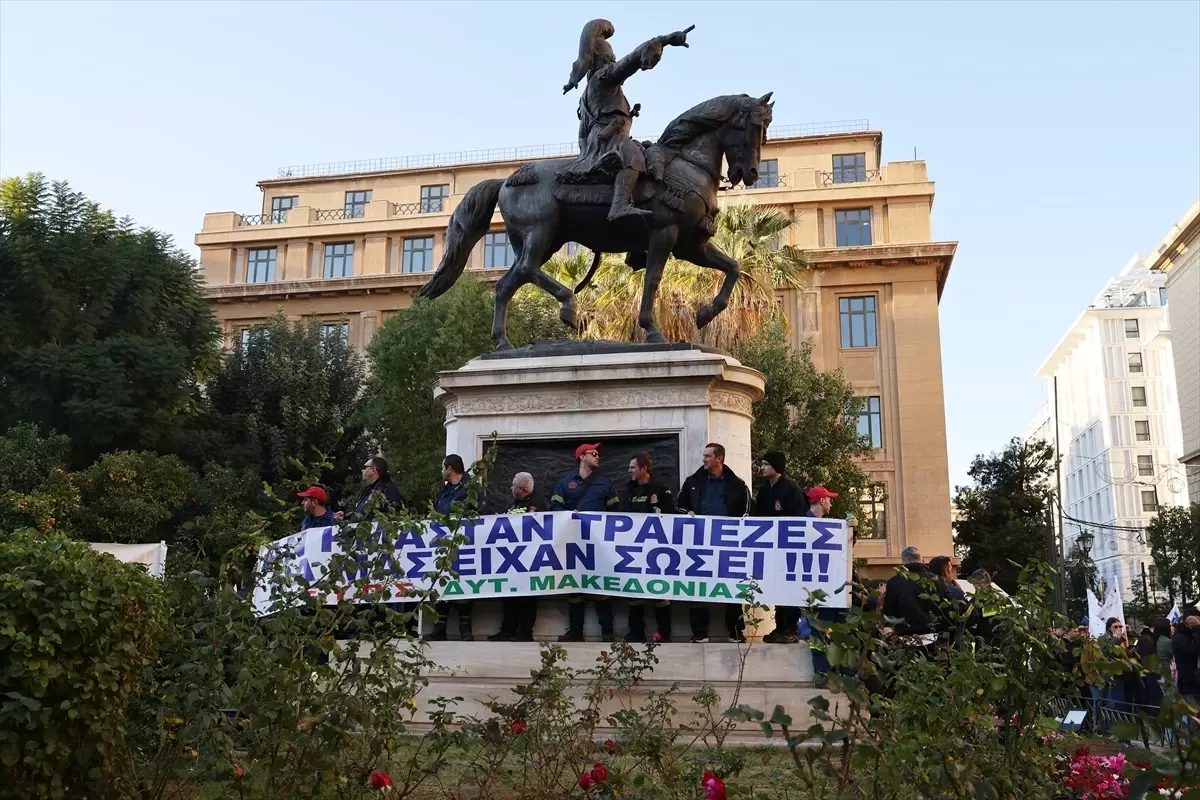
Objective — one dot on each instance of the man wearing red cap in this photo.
(820, 503)
(586, 490)
(316, 514)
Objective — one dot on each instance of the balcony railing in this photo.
(432, 206)
(850, 175)
(330, 214)
(769, 182)
(274, 218)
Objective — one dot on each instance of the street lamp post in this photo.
(1086, 539)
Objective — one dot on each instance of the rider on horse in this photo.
(605, 116)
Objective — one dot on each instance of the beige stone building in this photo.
(354, 241)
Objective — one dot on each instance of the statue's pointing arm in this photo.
(645, 56)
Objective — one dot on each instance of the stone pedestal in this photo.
(537, 404)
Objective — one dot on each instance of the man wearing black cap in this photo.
(586, 490)
(453, 492)
(645, 495)
(779, 496)
(316, 512)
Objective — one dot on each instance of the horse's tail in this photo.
(469, 222)
(583, 284)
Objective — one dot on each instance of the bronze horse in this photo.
(542, 212)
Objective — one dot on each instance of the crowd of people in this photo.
(713, 490)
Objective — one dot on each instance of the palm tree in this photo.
(750, 234)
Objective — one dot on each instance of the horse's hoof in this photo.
(569, 317)
(503, 344)
(704, 316)
(655, 337)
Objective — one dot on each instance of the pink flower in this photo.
(599, 772)
(518, 727)
(657, 637)
(610, 746)
(381, 780)
(585, 781)
(714, 787)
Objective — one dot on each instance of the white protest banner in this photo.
(672, 557)
(152, 556)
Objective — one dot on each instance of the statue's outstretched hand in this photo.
(679, 38)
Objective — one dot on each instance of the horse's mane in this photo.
(702, 118)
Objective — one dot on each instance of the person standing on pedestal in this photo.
(645, 495)
(715, 491)
(586, 490)
(453, 493)
(780, 496)
(518, 614)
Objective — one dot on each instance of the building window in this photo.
(774, 244)
(433, 198)
(260, 265)
(1131, 329)
(1150, 501)
(356, 204)
(1162, 295)
(418, 255)
(280, 205)
(1135, 363)
(339, 260)
(335, 330)
(853, 227)
(870, 422)
(1145, 466)
(858, 321)
(1141, 430)
(497, 252)
(850, 168)
(768, 175)
(254, 333)
(872, 513)
(1139, 396)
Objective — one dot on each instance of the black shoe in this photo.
(737, 637)
(523, 637)
(699, 638)
(774, 637)
(435, 635)
(501, 636)
(572, 635)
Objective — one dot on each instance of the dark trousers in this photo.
(701, 614)
(787, 619)
(637, 619)
(819, 659)
(604, 612)
(464, 608)
(518, 616)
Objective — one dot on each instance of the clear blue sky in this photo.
(1063, 137)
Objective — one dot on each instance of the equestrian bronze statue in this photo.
(650, 201)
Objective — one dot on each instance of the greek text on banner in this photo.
(673, 557)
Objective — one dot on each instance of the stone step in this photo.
(759, 675)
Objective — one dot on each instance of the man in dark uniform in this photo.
(380, 491)
(452, 493)
(605, 116)
(779, 496)
(586, 490)
(715, 491)
(645, 495)
(519, 613)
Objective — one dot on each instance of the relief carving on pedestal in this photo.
(582, 400)
(730, 401)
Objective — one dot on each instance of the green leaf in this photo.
(983, 790)
(1126, 731)
(767, 729)
(1141, 784)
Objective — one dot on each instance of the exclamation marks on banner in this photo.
(806, 576)
(823, 568)
(791, 566)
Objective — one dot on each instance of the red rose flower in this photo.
(518, 727)
(381, 780)
(599, 772)
(714, 787)
(610, 746)
(585, 781)
(657, 637)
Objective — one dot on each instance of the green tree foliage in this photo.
(809, 415)
(1174, 539)
(1003, 516)
(35, 489)
(78, 631)
(406, 355)
(292, 392)
(103, 329)
(132, 497)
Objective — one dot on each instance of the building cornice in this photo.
(939, 254)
